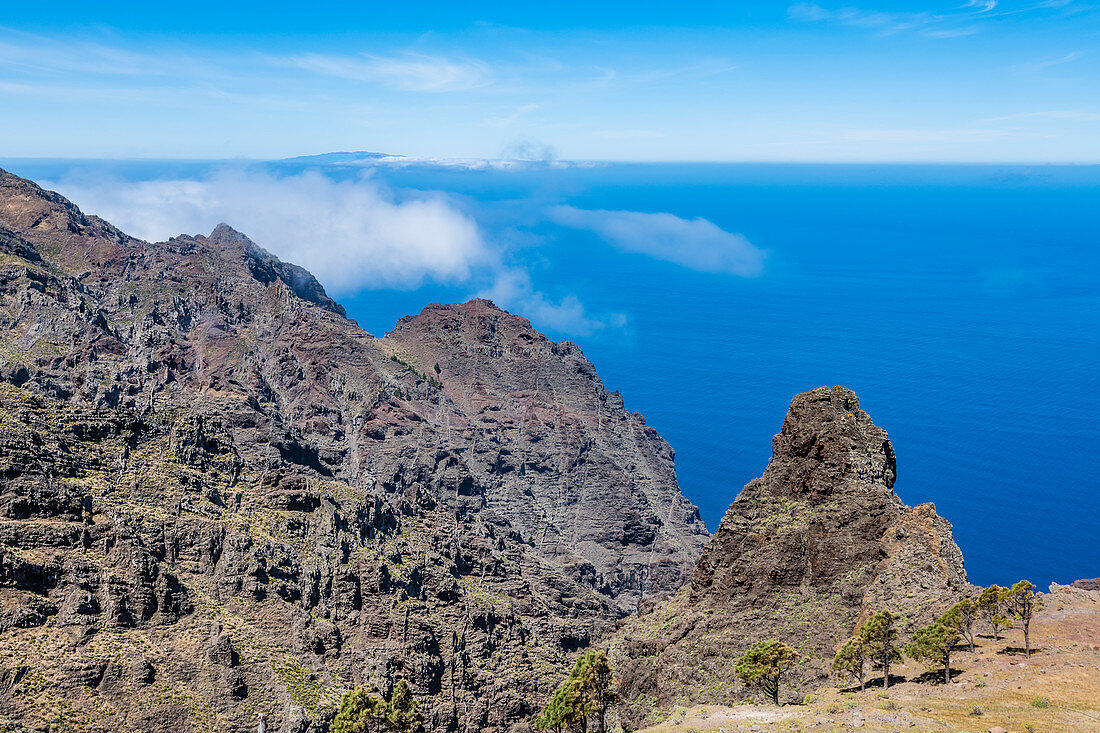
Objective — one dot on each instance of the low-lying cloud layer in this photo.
(513, 291)
(352, 235)
(694, 243)
(359, 234)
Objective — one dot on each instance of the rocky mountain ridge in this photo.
(219, 497)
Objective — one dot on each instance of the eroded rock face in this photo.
(557, 455)
(818, 512)
(220, 497)
(804, 552)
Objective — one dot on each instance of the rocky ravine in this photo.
(803, 554)
(219, 497)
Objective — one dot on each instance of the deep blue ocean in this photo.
(962, 304)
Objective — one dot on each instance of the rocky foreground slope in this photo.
(803, 554)
(219, 497)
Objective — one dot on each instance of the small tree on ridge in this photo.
(852, 658)
(934, 643)
(362, 712)
(764, 665)
(1022, 603)
(990, 606)
(961, 617)
(879, 635)
(403, 714)
(590, 689)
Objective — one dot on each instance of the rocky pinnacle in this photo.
(804, 552)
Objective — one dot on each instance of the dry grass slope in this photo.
(997, 678)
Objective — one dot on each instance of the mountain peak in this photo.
(829, 460)
(338, 158)
(26, 206)
(826, 435)
(266, 268)
(225, 234)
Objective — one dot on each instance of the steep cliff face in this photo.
(219, 497)
(560, 458)
(803, 553)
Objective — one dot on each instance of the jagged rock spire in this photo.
(803, 554)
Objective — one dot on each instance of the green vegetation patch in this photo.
(304, 689)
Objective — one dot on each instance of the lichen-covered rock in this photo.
(803, 554)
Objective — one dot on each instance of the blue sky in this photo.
(977, 80)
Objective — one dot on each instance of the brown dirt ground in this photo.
(996, 678)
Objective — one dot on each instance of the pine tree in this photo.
(880, 636)
(403, 714)
(1022, 603)
(764, 665)
(360, 712)
(990, 605)
(961, 617)
(934, 643)
(564, 709)
(590, 690)
(852, 658)
(599, 686)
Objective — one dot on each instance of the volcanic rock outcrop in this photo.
(219, 497)
(804, 552)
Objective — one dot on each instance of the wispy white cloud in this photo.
(1067, 115)
(407, 72)
(694, 243)
(885, 22)
(512, 117)
(34, 53)
(1056, 61)
(351, 235)
(926, 135)
(512, 290)
(981, 6)
(630, 134)
(516, 156)
(953, 32)
(942, 24)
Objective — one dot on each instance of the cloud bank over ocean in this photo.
(512, 290)
(352, 235)
(357, 233)
(694, 243)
